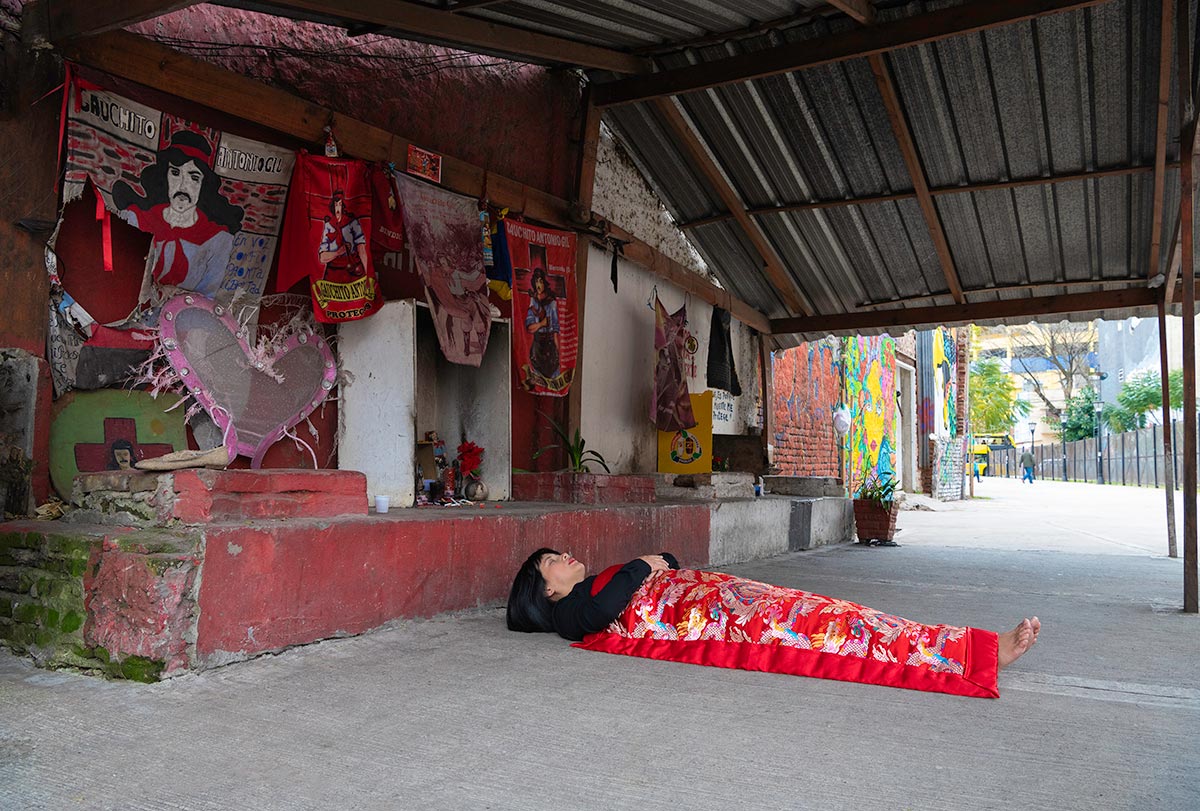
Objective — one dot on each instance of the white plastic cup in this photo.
(381, 504)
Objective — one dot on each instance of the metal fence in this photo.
(1133, 458)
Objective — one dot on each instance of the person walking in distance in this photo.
(1027, 463)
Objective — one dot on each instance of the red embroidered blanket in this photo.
(708, 618)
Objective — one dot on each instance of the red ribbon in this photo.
(105, 220)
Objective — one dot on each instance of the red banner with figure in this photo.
(545, 338)
(326, 238)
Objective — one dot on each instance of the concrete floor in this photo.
(456, 713)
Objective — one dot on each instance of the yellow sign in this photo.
(326, 292)
(689, 450)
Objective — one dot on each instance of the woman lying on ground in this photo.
(650, 607)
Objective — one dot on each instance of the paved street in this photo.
(456, 713)
(1050, 515)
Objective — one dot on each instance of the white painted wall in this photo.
(618, 363)
(376, 412)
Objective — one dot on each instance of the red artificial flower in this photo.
(470, 456)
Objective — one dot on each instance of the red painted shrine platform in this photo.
(157, 574)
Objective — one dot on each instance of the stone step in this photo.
(134, 498)
(805, 486)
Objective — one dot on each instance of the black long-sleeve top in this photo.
(581, 612)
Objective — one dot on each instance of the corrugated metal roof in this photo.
(1068, 92)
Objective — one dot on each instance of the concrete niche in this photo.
(403, 387)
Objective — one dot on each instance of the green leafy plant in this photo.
(579, 456)
(995, 405)
(879, 490)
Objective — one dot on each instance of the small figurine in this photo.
(439, 450)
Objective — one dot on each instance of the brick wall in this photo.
(806, 389)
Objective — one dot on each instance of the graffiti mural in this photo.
(870, 381)
(807, 387)
(945, 364)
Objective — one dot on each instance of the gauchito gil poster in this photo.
(212, 202)
(327, 238)
(545, 338)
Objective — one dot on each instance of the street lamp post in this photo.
(1099, 444)
(1032, 431)
(1064, 443)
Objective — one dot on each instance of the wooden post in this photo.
(1168, 449)
(1187, 272)
(581, 209)
(767, 381)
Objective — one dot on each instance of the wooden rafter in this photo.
(908, 149)
(950, 314)
(137, 59)
(1010, 288)
(667, 268)
(979, 15)
(468, 5)
(1160, 135)
(699, 157)
(859, 10)
(936, 191)
(80, 18)
(472, 33)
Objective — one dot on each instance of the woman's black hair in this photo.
(528, 606)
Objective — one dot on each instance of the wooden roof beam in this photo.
(859, 10)
(471, 33)
(68, 19)
(469, 5)
(854, 44)
(950, 314)
(908, 149)
(1160, 135)
(774, 266)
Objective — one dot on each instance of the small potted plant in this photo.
(875, 510)
(576, 483)
(579, 456)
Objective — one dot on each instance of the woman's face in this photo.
(561, 572)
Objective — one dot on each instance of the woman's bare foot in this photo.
(1014, 643)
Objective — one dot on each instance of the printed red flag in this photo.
(545, 342)
(326, 238)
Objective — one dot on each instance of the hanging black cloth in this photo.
(721, 373)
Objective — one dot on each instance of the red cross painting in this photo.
(119, 450)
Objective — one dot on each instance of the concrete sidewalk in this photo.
(456, 713)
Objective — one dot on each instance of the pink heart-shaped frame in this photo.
(209, 351)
